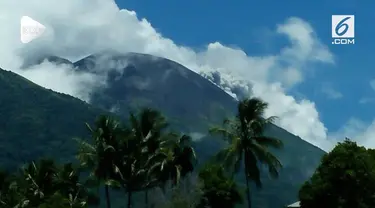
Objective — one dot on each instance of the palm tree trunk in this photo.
(248, 191)
(129, 199)
(146, 198)
(107, 196)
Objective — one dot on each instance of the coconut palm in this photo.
(174, 160)
(248, 146)
(34, 185)
(143, 139)
(39, 180)
(69, 189)
(99, 157)
(151, 127)
(132, 175)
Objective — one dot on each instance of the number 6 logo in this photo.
(340, 25)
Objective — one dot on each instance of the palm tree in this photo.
(99, 157)
(70, 189)
(36, 183)
(43, 184)
(154, 126)
(131, 172)
(248, 146)
(175, 160)
(143, 139)
(149, 129)
(184, 155)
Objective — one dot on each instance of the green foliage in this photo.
(44, 184)
(344, 179)
(37, 122)
(138, 156)
(99, 158)
(219, 190)
(248, 146)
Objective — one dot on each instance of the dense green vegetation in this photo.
(35, 122)
(143, 155)
(345, 179)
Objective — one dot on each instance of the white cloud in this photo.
(330, 92)
(358, 130)
(291, 76)
(306, 45)
(76, 28)
(62, 78)
(296, 116)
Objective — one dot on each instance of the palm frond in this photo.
(85, 145)
(109, 148)
(88, 127)
(267, 158)
(155, 158)
(225, 133)
(229, 157)
(271, 119)
(151, 119)
(269, 141)
(133, 121)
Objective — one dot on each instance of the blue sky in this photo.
(196, 23)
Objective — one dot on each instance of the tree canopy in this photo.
(344, 179)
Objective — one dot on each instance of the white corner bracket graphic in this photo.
(30, 29)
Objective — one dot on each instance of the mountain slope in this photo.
(139, 80)
(37, 122)
(193, 104)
